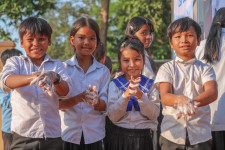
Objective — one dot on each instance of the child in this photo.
(35, 116)
(5, 103)
(213, 50)
(131, 127)
(186, 86)
(100, 53)
(143, 29)
(82, 116)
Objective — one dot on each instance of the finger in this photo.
(95, 88)
(90, 88)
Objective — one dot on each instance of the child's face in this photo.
(185, 43)
(145, 35)
(131, 63)
(35, 46)
(84, 41)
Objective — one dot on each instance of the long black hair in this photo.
(213, 40)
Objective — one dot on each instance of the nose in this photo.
(183, 39)
(35, 42)
(86, 41)
(132, 63)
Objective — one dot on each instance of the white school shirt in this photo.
(147, 69)
(187, 78)
(35, 114)
(82, 117)
(218, 106)
(144, 119)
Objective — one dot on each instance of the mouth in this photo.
(185, 47)
(36, 51)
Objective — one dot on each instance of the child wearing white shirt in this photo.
(83, 119)
(186, 87)
(35, 115)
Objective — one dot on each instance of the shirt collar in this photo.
(179, 60)
(73, 62)
(47, 58)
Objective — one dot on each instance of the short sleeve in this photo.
(164, 75)
(208, 74)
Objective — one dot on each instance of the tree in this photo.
(12, 12)
(158, 11)
(104, 20)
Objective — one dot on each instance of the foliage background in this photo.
(62, 13)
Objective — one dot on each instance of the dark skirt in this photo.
(118, 138)
(93, 146)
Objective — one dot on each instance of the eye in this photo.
(144, 33)
(30, 39)
(93, 39)
(177, 37)
(190, 35)
(80, 37)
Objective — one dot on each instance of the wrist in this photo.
(58, 79)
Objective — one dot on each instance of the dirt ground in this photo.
(1, 143)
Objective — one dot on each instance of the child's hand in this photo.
(133, 88)
(91, 96)
(44, 80)
(185, 107)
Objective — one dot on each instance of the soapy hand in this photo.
(185, 106)
(91, 96)
(44, 80)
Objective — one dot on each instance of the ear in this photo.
(21, 43)
(198, 41)
(71, 40)
(171, 44)
(49, 42)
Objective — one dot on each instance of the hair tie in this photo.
(130, 38)
(219, 23)
(131, 27)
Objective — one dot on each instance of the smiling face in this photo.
(145, 35)
(84, 41)
(185, 43)
(35, 46)
(131, 63)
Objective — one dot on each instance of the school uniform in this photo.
(187, 78)
(147, 69)
(217, 107)
(132, 120)
(82, 124)
(35, 114)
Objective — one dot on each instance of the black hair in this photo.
(99, 52)
(213, 40)
(108, 63)
(82, 22)
(136, 23)
(35, 26)
(181, 25)
(132, 43)
(9, 53)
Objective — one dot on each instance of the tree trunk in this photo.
(104, 20)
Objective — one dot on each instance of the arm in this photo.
(17, 81)
(167, 96)
(117, 103)
(150, 105)
(208, 96)
(67, 103)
